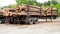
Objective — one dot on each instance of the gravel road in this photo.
(57, 19)
(40, 28)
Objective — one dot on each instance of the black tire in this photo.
(0, 22)
(30, 21)
(54, 17)
(35, 20)
(3, 21)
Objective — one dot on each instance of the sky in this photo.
(42, 1)
(7, 2)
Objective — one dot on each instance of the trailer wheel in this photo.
(3, 21)
(30, 21)
(0, 22)
(34, 20)
(54, 17)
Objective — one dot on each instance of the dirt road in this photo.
(40, 28)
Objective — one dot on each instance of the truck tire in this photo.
(54, 17)
(3, 21)
(0, 21)
(35, 20)
(30, 21)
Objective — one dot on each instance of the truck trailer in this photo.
(26, 14)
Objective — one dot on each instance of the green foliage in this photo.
(19, 2)
(47, 3)
(58, 6)
(31, 2)
(54, 2)
(11, 5)
(3, 7)
(0, 7)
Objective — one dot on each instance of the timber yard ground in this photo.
(39, 28)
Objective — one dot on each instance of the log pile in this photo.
(33, 10)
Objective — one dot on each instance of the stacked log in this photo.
(1, 13)
(51, 11)
(33, 10)
(5, 12)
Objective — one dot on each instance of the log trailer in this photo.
(26, 14)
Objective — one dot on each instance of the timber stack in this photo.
(33, 10)
(25, 13)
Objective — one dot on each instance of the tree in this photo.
(0, 7)
(19, 2)
(47, 3)
(54, 2)
(31, 2)
(11, 5)
(58, 6)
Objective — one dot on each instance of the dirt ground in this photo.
(39, 28)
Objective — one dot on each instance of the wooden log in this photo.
(34, 10)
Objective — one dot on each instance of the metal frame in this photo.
(40, 10)
(51, 14)
(27, 19)
(46, 17)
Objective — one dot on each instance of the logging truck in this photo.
(26, 14)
